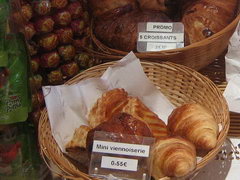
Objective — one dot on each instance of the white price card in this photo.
(163, 46)
(157, 36)
(160, 27)
(121, 148)
(120, 155)
(119, 163)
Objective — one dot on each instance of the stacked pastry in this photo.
(191, 128)
(116, 21)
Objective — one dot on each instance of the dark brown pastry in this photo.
(121, 32)
(124, 124)
(99, 8)
(203, 18)
(165, 6)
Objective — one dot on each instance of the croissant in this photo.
(117, 100)
(197, 124)
(121, 32)
(203, 18)
(173, 157)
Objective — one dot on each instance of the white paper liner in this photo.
(232, 91)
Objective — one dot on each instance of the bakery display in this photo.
(191, 127)
(195, 123)
(115, 22)
(120, 32)
(117, 100)
(173, 157)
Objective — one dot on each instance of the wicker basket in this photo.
(179, 83)
(195, 56)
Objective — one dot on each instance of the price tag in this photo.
(119, 163)
(123, 159)
(157, 36)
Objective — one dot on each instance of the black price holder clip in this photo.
(121, 156)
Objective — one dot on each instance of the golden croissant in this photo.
(197, 124)
(116, 101)
(173, 157)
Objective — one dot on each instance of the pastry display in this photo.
(191, 127)
(116, 22)
(121, 32)
(117, 100)
(195, 123)
(173, 157)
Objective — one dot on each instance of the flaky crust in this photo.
(117, 101)
(79, 138)
(109, 104)
(138, 110)
(204, 18)
(196, 123)
(173, 157)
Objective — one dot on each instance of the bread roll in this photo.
(203, 18)
(173, 157)
(196, 123)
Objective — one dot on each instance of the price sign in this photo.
(122, 160)
(119, 163)
(157, 36)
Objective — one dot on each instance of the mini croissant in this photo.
(197, 124)
(173, 157)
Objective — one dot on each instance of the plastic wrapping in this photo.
(14, 95)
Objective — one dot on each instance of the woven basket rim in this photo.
(221, 137)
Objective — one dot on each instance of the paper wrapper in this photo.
(68, 105)
(232, 91)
